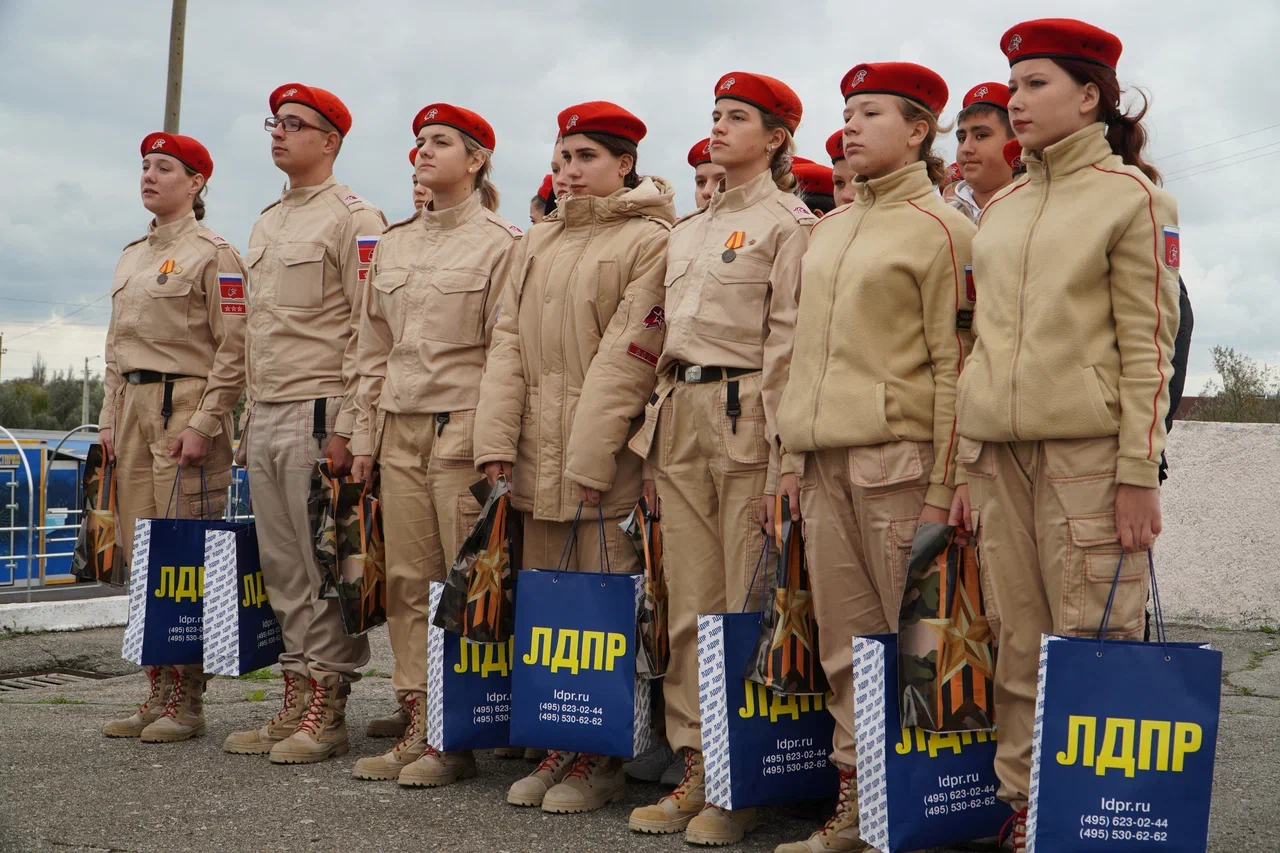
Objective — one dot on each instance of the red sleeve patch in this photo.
(234, 308)
(642, 354)
(656, 318)
(1172, 247)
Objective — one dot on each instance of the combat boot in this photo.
(673, 812)
(297, 698)
(841, 834)
(716, 827)
(593, 782)
(394, 724)
(322, 733)
(161, 680)
(550, 772)
(183, 715)
(408, 750)
(1013, 837)
(436, 769)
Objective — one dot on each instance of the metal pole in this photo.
(173, 92)
(31, 503)
(84, 394)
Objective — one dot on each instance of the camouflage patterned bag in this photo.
(478, 601)
(322, 501)
(361, 557)
(98, 555)
(946, 656)
(786, 658)
(645, 532)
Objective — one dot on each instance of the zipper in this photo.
(1022, 305)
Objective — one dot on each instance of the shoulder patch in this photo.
(213, 238)
(688, 216)
(797, 209)
(509, 227)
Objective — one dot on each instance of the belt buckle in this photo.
(693, 373)
(133, 377)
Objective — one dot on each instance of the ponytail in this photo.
(780, 159)
(197, 201)
(488, 191)
(1126, 134)
(914, 111)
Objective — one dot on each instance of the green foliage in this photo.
(1249, 392)
(41, 402)
(263, 674)
(255, 695)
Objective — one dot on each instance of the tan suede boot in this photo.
(394, 724)
(408, 750)
(183, 715)
(842, 834)
(436, 769)
(673, 812)
(322, 733)
(592, 783)
(297, 698)
(161, 681)
(550, 772)
(1013, 837)
(716, 827)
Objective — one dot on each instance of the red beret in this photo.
(953, 173)
(324, 102)
(905, 79)
(813, 177)
(1013, 154)
(413, 156)
(461, 120)
(835, 146)
(184, 149)
(544, 191)
(1060, 38)
(797, 160)
(700, 153)
(995, 94)
(764, 93)
(601, 117)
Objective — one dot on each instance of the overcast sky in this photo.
(82, 82)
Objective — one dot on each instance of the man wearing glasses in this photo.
(308, 261)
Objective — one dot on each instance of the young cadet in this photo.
(426, 323)
(982, 131)
(868, 416)
(732, 279)
(579, 332)
(1062, 404)
(175, 349)
(421, 195)
(706, 174)
(309, 258)
(543, 201)
(842, 178)
(816, 183)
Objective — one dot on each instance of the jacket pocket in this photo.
(976, 458)
(165, 315)
(1094, 387)
(391, 304)
(1093, 555)
(886, 401)
(675, 269)
(301, 276)
(892, 463)
(745, 443)
(733, 301)
(453, 447)
(454, 309)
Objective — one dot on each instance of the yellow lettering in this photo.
(1149, 731)
(495, 660)
(617, 648)
(260, 588)
(1186, 740)
(200, 569)
(1086, 727)
(461, 666)
(566, 651)
(593, 639)
(187, 585)
(939, 742)
(1107, 757)
(904, 747)
(748, 710)
(248, 592)
(541, 639)
(166, 587)
(783, 706)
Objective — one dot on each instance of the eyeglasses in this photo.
(291, 124)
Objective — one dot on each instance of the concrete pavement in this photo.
(64, 787)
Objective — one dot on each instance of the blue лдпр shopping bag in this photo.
(1124, 743)
(241, 633)
(468, 688)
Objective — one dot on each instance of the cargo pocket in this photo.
(301, 276)
(746, 443)
(391, 306)
(893, 463)
(165, 313)
(465, 516)
(213, 502)
(977, 458)
(733, 307)
(902, 531)
(455, 307)
(754, 590)
(453, 447)
(1093, 555)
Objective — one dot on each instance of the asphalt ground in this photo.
(64, 787)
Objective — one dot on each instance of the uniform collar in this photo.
(964, 194)
(744, 196)
(909, 182)
(1083, 148)
(454, 216)
(159, 235)
(301, 195)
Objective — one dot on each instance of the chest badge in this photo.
(169, 266)
(735, 242)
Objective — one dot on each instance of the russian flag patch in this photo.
(1172, 247)
(231, 285)
(366, 245)
(970, 289)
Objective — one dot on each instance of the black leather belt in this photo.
(695, 373)
(150, 377)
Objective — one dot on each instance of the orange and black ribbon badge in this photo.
(735, 241)
(169, 266)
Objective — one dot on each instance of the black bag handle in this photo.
(571, 540)
(1161, 636)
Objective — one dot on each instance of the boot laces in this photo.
(311, 720)
(844, 804)
(582, 767)
(551, 763)
(154, 675)
(412, 731)
(175, 698)
(290, 696)
(685, 787)
(1016, 828)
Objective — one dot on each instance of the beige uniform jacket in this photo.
(309, 257)
(191, 323)
(573, 354)
(1076, 269)
(884, 326)
(740, 312)
(437, 279)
